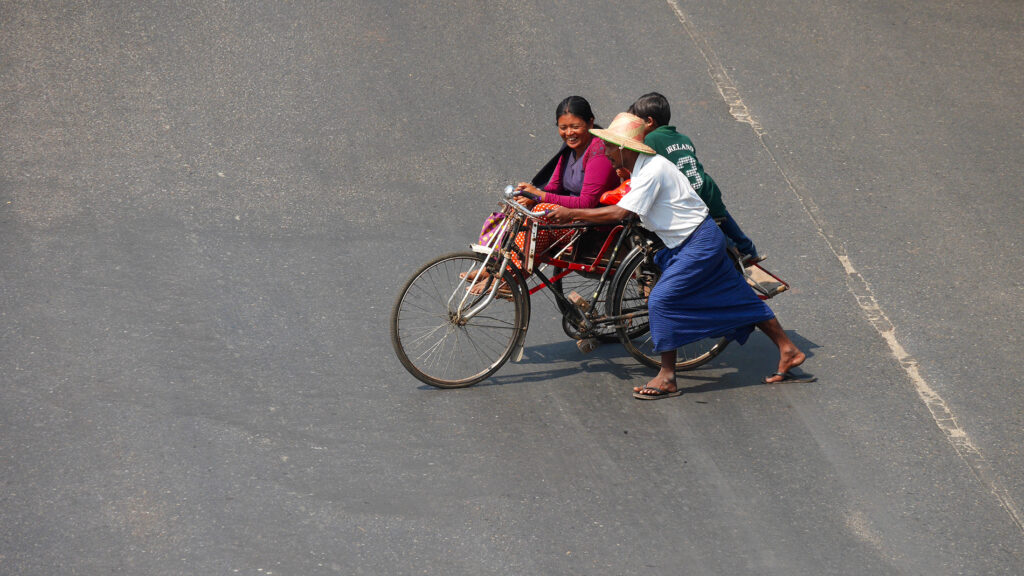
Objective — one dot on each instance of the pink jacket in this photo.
(598, 178)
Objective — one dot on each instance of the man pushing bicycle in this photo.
(700, 294)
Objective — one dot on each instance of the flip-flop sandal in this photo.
(481, 288)
(789, 378)
(658, 395)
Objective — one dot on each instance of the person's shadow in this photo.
(745, 365)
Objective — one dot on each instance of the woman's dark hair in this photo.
(575, 105)
(654, 106)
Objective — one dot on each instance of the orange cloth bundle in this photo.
(612, 197)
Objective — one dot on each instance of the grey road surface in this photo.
(207, 208)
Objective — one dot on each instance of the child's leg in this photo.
(732, 231)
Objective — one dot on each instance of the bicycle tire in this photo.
(633, 283)
(438, 349)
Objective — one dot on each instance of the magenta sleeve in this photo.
(598, 178)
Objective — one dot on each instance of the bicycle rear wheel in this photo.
(629, 296)
(432, 337)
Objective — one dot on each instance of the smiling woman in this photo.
(581, 172)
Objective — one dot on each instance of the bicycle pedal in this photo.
(588, 345)
(579, 301)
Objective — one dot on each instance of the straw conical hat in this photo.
(625, 131)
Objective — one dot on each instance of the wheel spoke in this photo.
(440, 350)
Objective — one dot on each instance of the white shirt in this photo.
(663, 198)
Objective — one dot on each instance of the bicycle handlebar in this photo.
(529, 195)
(511, 193)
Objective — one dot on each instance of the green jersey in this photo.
(680, 151)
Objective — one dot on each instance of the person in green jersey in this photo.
(678, 149)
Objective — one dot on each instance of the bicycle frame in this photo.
(502, 245)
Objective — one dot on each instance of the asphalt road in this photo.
(206, 210)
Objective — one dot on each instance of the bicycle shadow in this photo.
(737, 366)
(601, 361)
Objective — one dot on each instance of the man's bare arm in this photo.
(602, 215)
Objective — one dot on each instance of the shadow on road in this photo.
(736, 367)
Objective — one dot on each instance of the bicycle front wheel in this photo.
(432, 335)
(636, 279)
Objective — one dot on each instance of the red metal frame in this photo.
(781, 281)
(568, 266)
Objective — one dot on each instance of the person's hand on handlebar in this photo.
(559, 215)
(530, 188)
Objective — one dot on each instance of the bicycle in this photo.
(463, 315)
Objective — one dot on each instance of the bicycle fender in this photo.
(636, 252)
(521, 285)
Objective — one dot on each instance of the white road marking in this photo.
(860, 288)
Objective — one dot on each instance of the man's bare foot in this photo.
(657, 384)
(658, 388)
(789, 358)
